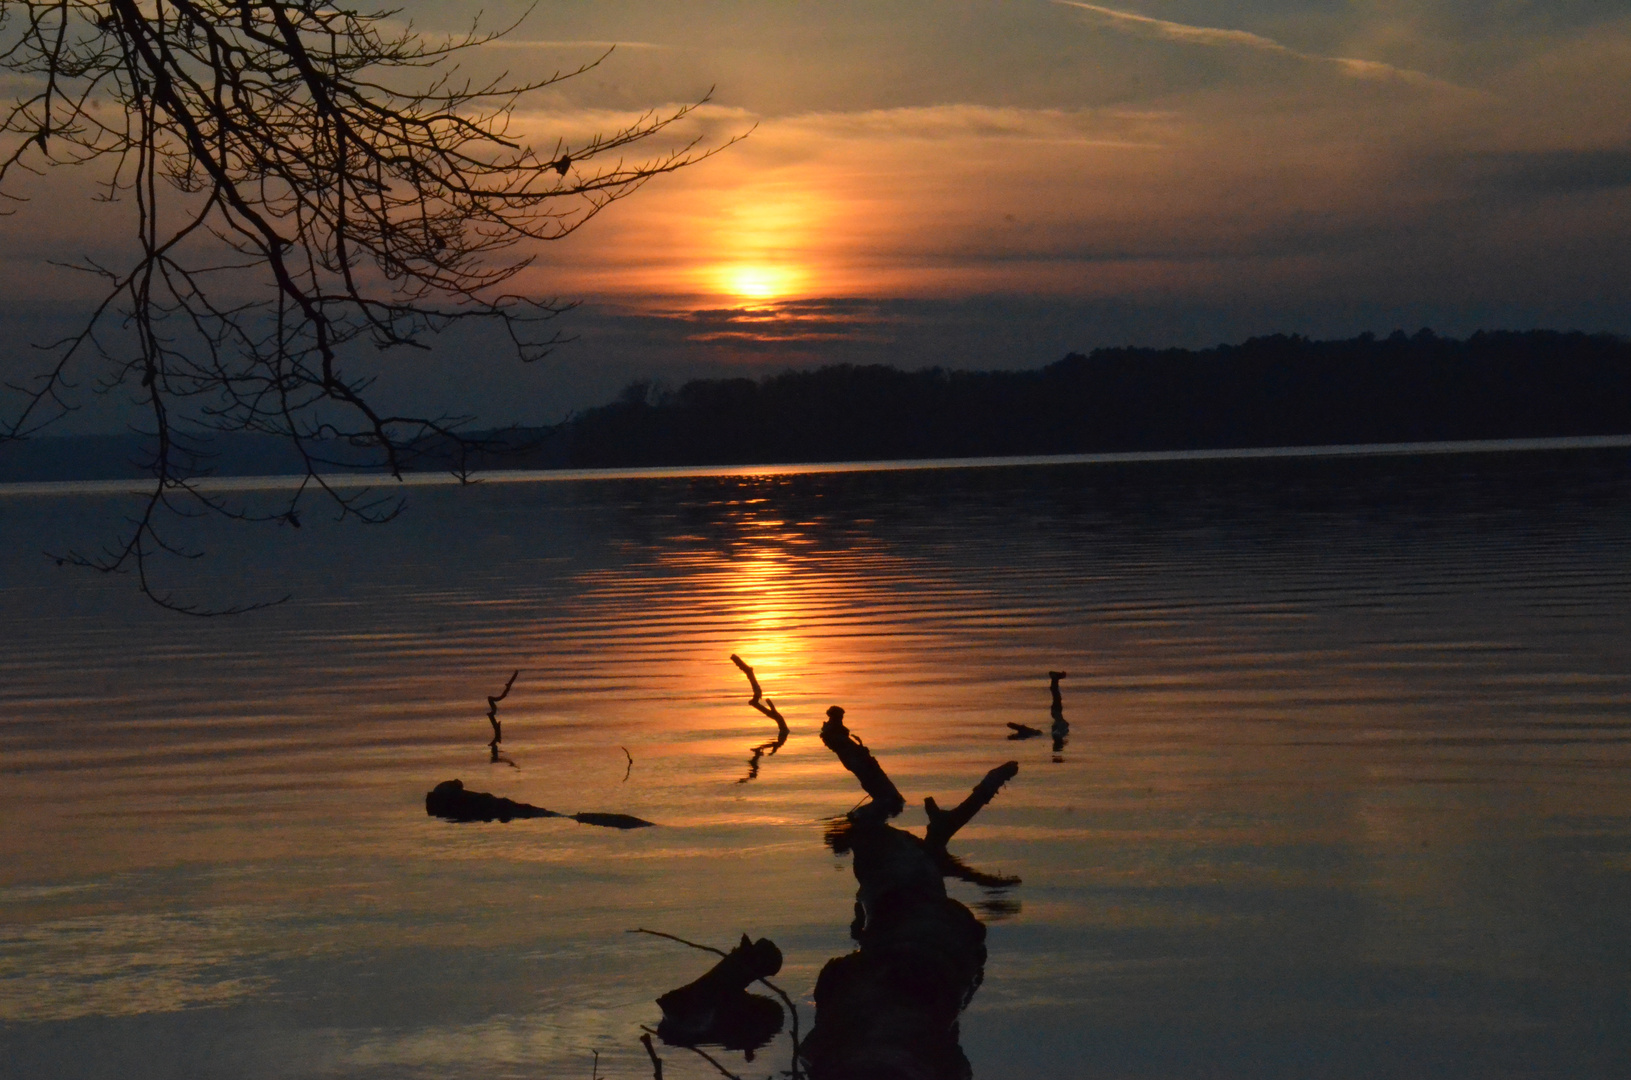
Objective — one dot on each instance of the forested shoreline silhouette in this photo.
(1269, 391)
(1280, 390)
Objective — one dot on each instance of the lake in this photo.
(1345, 791)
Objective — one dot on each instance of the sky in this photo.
(995, 184)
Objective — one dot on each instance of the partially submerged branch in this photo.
(890, 1009)
(1061, 726)
(768, 708)
(656, 1062)
(492, 709)
(716, 1007)
(943, 824)
(450, 800)
(711, 1009)
(853, 754)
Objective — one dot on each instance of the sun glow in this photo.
(759, 281)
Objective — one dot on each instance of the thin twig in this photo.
(656, 1062)
(492, 709)
(671, 937)
(768, 708)
(705, 1056)
(759, 701)
(630, 769)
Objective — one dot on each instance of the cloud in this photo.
(1217, 37)
(1551, 172)
(607, 46)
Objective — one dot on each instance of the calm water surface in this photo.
(1346, 792)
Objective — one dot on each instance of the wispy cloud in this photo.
(508, 43)
(1218, 37)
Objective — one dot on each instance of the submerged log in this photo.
(451, 801)
(889, 1010)
(716, 1007)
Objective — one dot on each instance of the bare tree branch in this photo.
(768, 708)
(307, 183)
(854, 756)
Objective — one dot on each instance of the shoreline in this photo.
(141, 485)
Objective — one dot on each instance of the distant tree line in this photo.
(1270, 391)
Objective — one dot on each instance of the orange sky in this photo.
(994, 184)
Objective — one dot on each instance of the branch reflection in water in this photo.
(768, 707)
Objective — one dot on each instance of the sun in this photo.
(758, 281)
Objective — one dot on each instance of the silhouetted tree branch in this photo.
(890, 1008)
(492, 709)
(853, 754)
(768, 707)
(306, 182)
(943, 824)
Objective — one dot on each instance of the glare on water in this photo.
(1345, 791)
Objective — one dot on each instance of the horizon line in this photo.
(285, 482)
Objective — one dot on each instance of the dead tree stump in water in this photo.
(716, 1007)
(889, 1010)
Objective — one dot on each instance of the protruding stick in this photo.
(492, 709)
(943, 824)
(656, 1062)
(759, 701)
(1058, 698)
(855, 757)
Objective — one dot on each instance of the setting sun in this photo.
(758, 282)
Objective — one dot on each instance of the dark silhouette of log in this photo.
(793, 1073)
(450, 800)
(611, 821)
(716, 1007)
(853, 754)
(889, 1010)
(1023, 731)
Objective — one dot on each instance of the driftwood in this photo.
(1061, 727)
(450, 800)
(493, 756)
(768, 708)
(492, 709)
(771, 1023)
(656, 1062)
(1023, 731)
(716, 1008)
(854, 756)
(889, 1010)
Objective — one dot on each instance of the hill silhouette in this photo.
(1269, 391)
